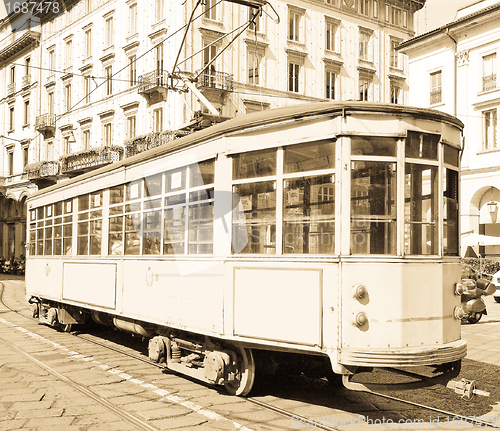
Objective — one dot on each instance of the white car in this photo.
(496, 281)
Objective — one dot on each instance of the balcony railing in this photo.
(42, 169)
(489, 82)
(91, 158)
(26, 81)
(153, 81)
(11, 88)
(216, 80)
(143, 143)
(436, 97)
(45, 121)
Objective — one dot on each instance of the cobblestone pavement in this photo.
(52, 380)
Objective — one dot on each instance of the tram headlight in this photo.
(359, 318)
(359, 291)
(459, 289)
(458, 313)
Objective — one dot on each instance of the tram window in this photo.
(421, 209)
(96, 200)
(451, 213)
(422, 146)
(39, 242)
(39, 213)
(152, 204)
(151, 237)
(451, 156)
(132, 234)
(83, 240)
(32, 240)
(175, 224)
(153, 185)
(32, 215)
(48, 241)
(254, 164)
(373, 146)
(58, 210)
(58, 240)
(95, 235)
(115, 246)
(254, 218)
(116, 195)
(175, 180)
(201, 228)
(68, 239)
(89, 235)
(309, 215)
(134, 190)
(202, 173)
(309, 157)
(83, 203)
(373, 208)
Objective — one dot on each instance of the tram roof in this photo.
(256, 119)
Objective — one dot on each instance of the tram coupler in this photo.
(466, 388)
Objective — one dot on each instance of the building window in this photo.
(27, 63)
(394, 60)
(88, 43)
(132, 19)
(26, 112)
(86, 139)
(375, 9)
(67, 97)
(293, 77)
(254, 67)
(295, 24)
(107, 137)
(12, 74)
(130, 132)
(331, 34)
(11, 119)
(68, 59)
(52, 61)
(10, 161)
(87, 5)
(109, 32)
(210, 9)
(490, 129)
(25, 155)
(364, 7)
(364, 87)
(365, 46)
(49, 150)
(86, 84)
(330, 78)
(436, 90)
(50, 102)
(159, 58)
(395, 93)
(489, 69)
(255, 25)
(132, 70)
(159, 7)
(109, 80)
(397, 16)
(157, 120)
(66, 145)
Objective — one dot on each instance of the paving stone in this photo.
(40, 413)
(166, 412)
(179, 422)
(13, 424)
(20, 397)
(31, 405)
(53, 423)
(85, 410)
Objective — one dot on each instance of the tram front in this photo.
(400, 256)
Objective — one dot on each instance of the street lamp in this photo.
(492, 207)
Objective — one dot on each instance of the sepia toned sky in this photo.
(436, 13)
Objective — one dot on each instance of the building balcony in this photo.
(211, 79)
(11, 88)
(436, 97)
(26, 81)
(143, 143)
(153, 84)
(90, 159)
(43, 174)
(46, 124)
(489, 82)
(17, 41)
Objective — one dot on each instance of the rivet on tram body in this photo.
(458, 313)
(358, 291)
(459, 289)
(359, 318)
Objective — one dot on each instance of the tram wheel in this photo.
(67, 327)
(243, 382)
(474, 317)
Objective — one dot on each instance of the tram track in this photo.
(255, 401)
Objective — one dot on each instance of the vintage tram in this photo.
(328, 231)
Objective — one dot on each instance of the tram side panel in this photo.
(176, 293)
(44, 278)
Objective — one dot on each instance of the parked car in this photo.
(496, 282)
